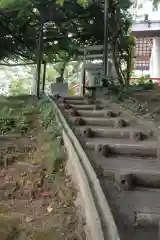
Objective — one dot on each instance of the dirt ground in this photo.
(35, 203)
(151, 102)
(145, 103)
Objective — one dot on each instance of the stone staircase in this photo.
(125, 157)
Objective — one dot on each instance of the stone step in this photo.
(123, 147)
(143, 201)
(126, 164)
(96, 113)
(74, 98)
(110, 122)
(137, 180)
(146, 219)
(76, 102)
(81, 102)
(80, 107)
(147, 179)
(127, 168)
(106, 132)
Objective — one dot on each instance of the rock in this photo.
(80, 121)
(15, 187)
(49, 209)
(121, 123)
(33, 193)
(139, 136)
(88, 133)
(67, 106)
(110, 114)
(29, 219)
(74, 113)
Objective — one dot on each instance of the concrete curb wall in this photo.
(74, 168)
(107, 222)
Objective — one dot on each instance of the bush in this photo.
(145, 83)
(55, 153)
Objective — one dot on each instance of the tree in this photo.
(155, 3)
(121, 41)
(21, 26)
(24, 3)
(63, 59)
(19, 86)
(85, 24)
(15, 36)
(51, 74)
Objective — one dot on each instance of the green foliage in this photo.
(155, 3)
(49, 123)
(81, 2)
(47, 118)
(19, 4)
(122, 43)
(20, 28)
(14, 118)
(142, 80)
(85, 24)
(19, 86)
(7, 123)
(145, 83)
(62, 59)
(51, 74)
(71, 72)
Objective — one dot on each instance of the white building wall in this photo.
(146, 7)
(155, 58)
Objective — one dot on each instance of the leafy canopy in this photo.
(18, 4)
(20, 23)
(67, 25)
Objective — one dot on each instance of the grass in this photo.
(53, 134)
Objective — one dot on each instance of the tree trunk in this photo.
(62, 73)
(116, 64)
(60, 79)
